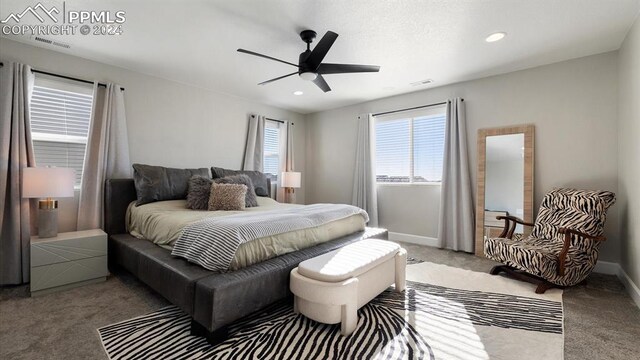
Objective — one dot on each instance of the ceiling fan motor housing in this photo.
(307, 36)
(302, 61)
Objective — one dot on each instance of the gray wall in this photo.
(573, 105)
(409, 209)
(169, 123)
(629, 153)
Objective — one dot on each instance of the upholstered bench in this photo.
(330, 288)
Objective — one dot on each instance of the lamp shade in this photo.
(290, 179)
(44, 182)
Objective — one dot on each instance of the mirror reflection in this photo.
(504, 181)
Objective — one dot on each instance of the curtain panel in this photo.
(364, 179)
(254, 150)
(456, 221)
(286, 160)
(107, 154)
(16, 212)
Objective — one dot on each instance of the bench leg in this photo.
(295, 305)
(349, 319)
(401, 270)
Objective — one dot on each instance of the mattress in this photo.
(162, 223)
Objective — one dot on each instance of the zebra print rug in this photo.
(449, 316)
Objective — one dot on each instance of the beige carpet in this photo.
(445, 313)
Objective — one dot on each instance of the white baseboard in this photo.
(632, 288)
(611, 268)
(413, 239)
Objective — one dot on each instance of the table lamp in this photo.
(47, 183)
(290, 181)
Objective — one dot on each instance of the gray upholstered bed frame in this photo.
(213, 300)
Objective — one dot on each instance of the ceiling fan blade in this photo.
(278, 78)
(265, 56)
(320, 51)
(346, 68)
(321, 83)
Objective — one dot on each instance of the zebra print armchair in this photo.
(562, 249)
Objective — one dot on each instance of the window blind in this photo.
(428, 148)
(410, 146)
(60, 121)
(271, 151)
(393, 150)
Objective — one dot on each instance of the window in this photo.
(271, 160)
(60, 117)
(410, 146)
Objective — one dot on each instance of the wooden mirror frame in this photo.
(529, 134)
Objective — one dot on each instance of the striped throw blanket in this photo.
(212, 243)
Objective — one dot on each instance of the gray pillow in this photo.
(250, 199)
(259, 179)
(157, 183)
(199, 192)
(227, 197)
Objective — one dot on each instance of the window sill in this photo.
(410, 184)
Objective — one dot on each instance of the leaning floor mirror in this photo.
(505, 180)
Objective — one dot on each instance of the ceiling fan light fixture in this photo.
(308, 75)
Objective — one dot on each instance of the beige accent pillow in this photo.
(227, 197)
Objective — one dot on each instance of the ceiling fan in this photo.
(310, 65)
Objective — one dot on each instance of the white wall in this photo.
(169, 123)
(573, 105)
(629, 153)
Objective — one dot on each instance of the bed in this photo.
(258, 276)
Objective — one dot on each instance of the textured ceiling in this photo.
(195, 42)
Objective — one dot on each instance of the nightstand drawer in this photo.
(48, 276)
(53, 252)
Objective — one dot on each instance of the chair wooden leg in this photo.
(497, 269)
(543, 286)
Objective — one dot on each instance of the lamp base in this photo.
(47, 222)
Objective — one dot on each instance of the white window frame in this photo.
(411, 115)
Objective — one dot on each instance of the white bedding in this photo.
(162, 223)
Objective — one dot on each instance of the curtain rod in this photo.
(64, 77)
(411, 108)
(276, 120)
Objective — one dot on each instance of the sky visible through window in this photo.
(394, 156)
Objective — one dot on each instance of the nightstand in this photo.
(68, 260)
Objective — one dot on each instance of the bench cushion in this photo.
(348, 261)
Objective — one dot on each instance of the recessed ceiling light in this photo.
(495, 37)
(298, 92)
